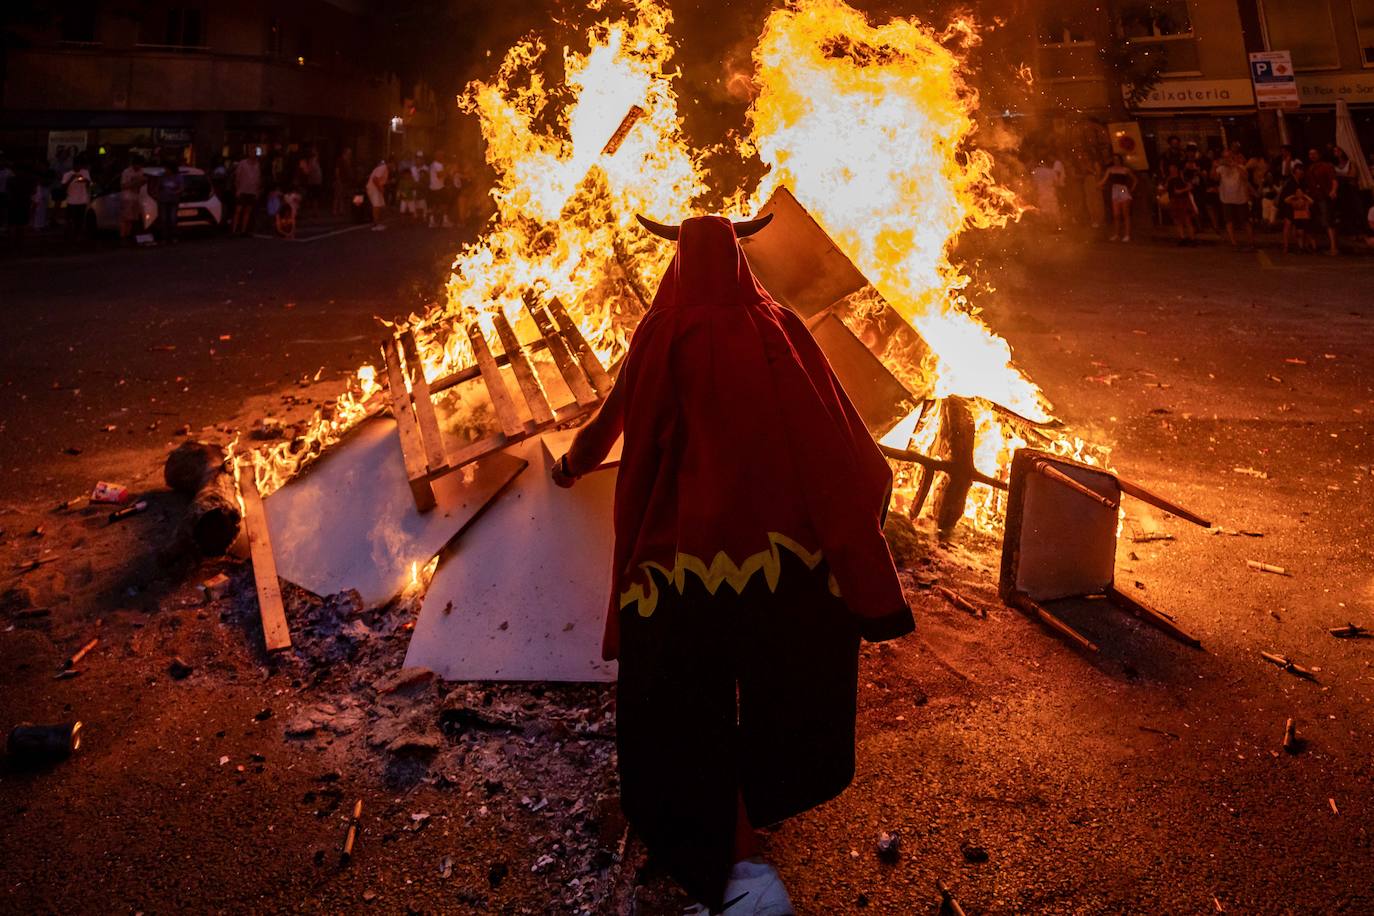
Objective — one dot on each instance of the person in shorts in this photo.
(376, 193)
(247, 187)
(131, 182)
(1233, 188)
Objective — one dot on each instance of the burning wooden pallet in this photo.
(412, 396)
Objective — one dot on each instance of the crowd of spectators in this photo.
(1312, 199)
(268, 189)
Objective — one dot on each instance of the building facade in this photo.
(197, 79)
(1085, 58)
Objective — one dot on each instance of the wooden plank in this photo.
(530, 388)
(275, 633)
(572, 373)
(472, 452)
(591, 365)
(412, 449)
(496, 385)
(433, 442)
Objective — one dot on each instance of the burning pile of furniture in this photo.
(519, 589)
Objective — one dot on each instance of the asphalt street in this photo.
(1026, 775)
(109, 353)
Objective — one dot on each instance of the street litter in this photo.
(127, 511)
(1267, 567)
(109, 493)
(1350, 631)
(81, 653)
(1287, 664)
(32, 745)
(1291, 742)
(354, 823)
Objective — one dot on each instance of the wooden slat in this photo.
(275, 633)
(596, 372)
(1154, 499)
(496, 385)
(524, 372)
(472, 452)
(572, 372)
(433, 442)
(412, 449)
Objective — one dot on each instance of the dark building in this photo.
(200, 78)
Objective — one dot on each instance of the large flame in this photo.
(870, 124)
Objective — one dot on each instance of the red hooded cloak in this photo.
(740, 442)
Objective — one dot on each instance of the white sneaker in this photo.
(754, 889)
(378, 227)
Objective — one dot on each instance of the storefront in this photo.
(1212, 113)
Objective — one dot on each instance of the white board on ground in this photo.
(351, 522)
(523, 595)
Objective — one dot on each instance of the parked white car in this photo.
(199, 204)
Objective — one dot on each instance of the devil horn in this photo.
(749, 227)
(659, 229)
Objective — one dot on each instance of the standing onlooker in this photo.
(1173, 153)
(21, 186)
(1283, 165)
(42, 199)
(436, 196)
(6, 173)
(314, 179)
(1321, 187)
(1209, 194)
(1182, 209)
(1048, 180)
(1349, 213)
(167, 189)
(247, 187)
(131, 182)
(1300, 205)
(376, 194)
(1287, 189)
(77, 183)
(1233, 189)
(1121, 180)
(344, 178)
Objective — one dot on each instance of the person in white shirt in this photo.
(131, 182)
(437, 194)
(376, 193)
(77, 181)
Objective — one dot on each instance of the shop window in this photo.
(1304, 29)
(1144, 20)
(1364, 29)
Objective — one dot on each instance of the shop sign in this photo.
(1325, 88)
(1276, 84)
(172, 136)
(56, 138)
(1225, 93)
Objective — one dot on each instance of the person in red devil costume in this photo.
(749, 561)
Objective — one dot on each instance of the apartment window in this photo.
(1143, 20)
(274, 37)
(1364, 29)
(174, 27)
(76, 25)
(1303, 28)
(1056, 29)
